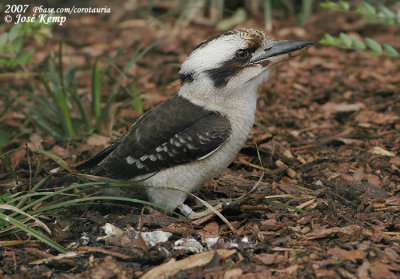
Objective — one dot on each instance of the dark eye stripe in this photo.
(221, 75)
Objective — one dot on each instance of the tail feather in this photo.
(91, 164)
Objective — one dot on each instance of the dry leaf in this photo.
(325, 273)
(172, 267)
(266, 259)
(351, 255)
(380, 151)
(362, 270)
(359, 174)
(373, 179)
(380, 270)
(395, 160)
(16, 157)
(330, 108)
(60, 152)
(234, 273)
(96, 140)
(322, 232)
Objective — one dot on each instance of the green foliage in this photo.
(344, 41)
(12, 53)
(374, 14)
(136, 100)
(343, 6)
(4, 138)
(379, 13)
(59, 110)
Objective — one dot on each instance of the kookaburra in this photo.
(193, 136)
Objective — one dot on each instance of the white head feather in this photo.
(237, 83)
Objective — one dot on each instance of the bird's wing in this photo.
(173, 133)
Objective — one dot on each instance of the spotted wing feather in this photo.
(173, 133)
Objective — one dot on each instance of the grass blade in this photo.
(13, 208)
(33, 232)
(136, 100)
(96, 95)
(77, 100)
(135, 57)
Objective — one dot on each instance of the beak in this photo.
(280, 51)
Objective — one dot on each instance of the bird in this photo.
(196, 134)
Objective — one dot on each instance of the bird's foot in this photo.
(210, 210)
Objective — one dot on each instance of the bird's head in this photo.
(235, 60)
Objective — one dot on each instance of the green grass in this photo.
(21, 212)
(52, 109)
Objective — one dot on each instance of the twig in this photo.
(259, 180)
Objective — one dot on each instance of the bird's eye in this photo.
(241, 54)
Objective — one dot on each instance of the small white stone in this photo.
(156, 237)
(210, 241)
(245, 239)
(189, 245)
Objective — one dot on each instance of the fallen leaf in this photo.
(234, 273)
(392, 255)
(325, 273)
(60, 152)
(96, 140)
(380, 151)
(108, 269)
(210, 230)
(359, 174)
(351, 255)
(375, 117)
(330, 108)
(395, 160)
(16, 157)
(380, 270)
(36, 141)
(291, 269)
(172, 267)
(362, 270)
(268, 259)
(373, 179)
(322, 232)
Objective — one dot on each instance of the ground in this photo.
(327, 132)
